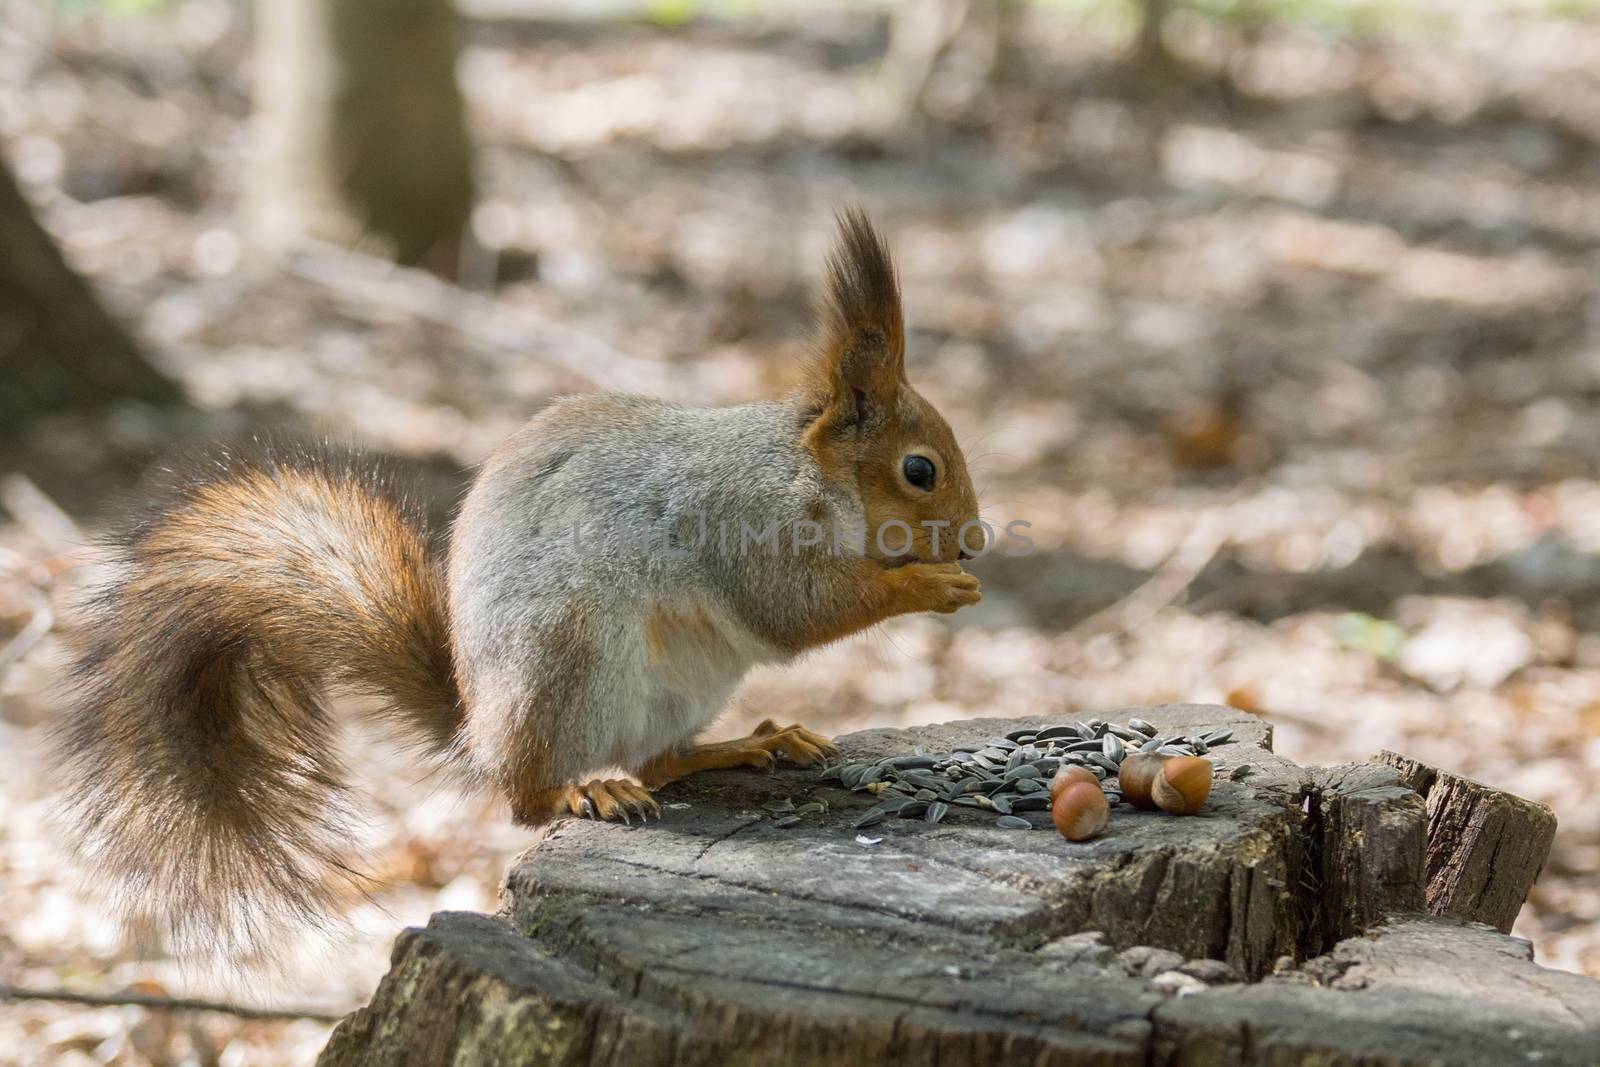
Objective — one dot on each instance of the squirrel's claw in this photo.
(795, 743)
(612, 799)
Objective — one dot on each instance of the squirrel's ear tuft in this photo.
(861, 334)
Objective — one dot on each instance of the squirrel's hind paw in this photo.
(611, 800)
(760, 750)
(800, 745)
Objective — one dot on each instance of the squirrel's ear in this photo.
(861, 337)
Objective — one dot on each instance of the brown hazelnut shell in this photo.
(1080, 811)
(1137, 776)
(1068, 774)
(1183, 785)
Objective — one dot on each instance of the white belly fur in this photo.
(684, 664)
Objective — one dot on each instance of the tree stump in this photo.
(716, 936)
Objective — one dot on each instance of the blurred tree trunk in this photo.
(969, 39)
(1150, 48)
(59, 349)
(363, 137)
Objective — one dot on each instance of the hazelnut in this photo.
(1080, 811)
(1137, 775)
(1068, 774)
(1183, 785)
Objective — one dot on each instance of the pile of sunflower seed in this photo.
(1009, 776)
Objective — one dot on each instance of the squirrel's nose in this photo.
(966, 555)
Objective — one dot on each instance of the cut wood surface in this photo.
(1485, 846)
(715, 936)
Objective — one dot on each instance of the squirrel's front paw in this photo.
(941, 587)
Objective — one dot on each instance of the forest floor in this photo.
(1292, 363)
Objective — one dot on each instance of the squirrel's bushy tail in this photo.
(199, 759)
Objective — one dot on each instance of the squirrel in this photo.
(199, 760)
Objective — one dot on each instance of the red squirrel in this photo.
(200, 759)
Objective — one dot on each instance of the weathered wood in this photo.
(1373, 835)
(1485, 846)
(714, 936)
(1419, 991)
(471, 989)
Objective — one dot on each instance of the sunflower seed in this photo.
(871, 817)
(1007, 775)
(779, 806)
(1012, 822)
(816, 807)
(786, 822)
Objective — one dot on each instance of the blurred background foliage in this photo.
(1278, 320)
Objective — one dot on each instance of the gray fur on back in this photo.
(549, 625)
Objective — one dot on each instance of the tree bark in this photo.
(363, 135)
(59, 349)
(723, 934)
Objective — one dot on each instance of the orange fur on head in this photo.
(870, 419)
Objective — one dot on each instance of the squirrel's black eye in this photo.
(919, 471)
